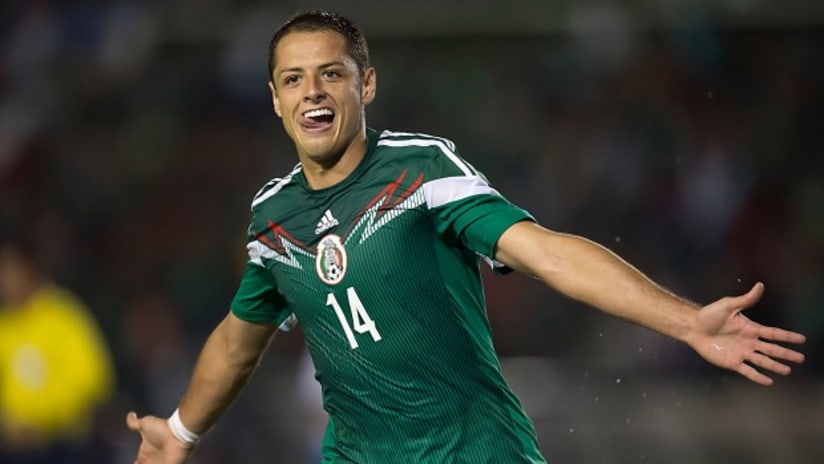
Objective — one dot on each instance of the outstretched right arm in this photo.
(226, 362)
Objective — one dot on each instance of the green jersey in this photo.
(382, 272)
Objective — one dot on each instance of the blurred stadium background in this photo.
(686, 136)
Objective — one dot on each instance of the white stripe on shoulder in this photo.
(273, 186)
(445, 190)
(388, 133)
(464, 167)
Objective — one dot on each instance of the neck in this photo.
(325, 173)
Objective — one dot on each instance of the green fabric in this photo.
(382, 272)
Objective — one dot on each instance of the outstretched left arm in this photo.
(588, 272)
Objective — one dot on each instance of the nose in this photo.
(314, 91)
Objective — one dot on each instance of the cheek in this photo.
(285, 102)
(288, 126)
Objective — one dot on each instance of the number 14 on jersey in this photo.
(361, 322)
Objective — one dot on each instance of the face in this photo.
(319, 94)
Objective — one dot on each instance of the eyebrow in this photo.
(323, 66)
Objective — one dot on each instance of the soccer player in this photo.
(372, 243)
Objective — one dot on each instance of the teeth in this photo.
(318, 112)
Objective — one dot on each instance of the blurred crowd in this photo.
(133, 135)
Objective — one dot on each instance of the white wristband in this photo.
(186, 436)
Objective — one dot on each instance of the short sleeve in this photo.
(464, 206)
(258, 300)
(478, 221)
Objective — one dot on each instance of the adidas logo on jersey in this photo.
(326, 222)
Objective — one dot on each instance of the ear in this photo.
(369, 86)
(275, 99)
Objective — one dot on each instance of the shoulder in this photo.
(414, 139)
(273, 187)
(439, 154)
(415, 142)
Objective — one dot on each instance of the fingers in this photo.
(750, 298)
(763, 358)
(132, 421)
(749, 372)
(756, 291)
(777, 351)
(781, 335)
(767, 363)
(735, 304)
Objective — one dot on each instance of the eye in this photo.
(290, 79)
(331, 74)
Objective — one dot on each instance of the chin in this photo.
(321, 155)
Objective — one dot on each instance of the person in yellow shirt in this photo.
(55, 367)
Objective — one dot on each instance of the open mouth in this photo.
(318, 118)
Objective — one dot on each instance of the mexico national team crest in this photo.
(330, 262)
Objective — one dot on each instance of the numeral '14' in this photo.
(361, 322)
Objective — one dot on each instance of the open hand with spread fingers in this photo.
(725, 337)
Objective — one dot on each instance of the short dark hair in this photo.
(323, 20)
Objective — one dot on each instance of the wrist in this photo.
(689, 330)
(179, 430)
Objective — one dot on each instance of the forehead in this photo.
(307, 48)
